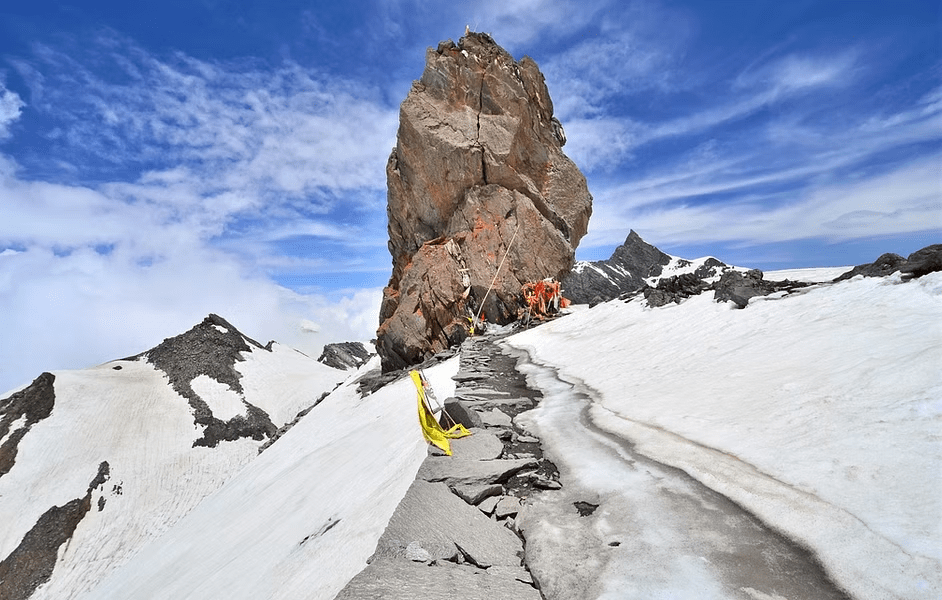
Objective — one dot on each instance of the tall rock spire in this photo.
(477, 173)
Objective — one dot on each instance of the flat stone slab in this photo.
(496, 418)
(482, 445)
(489, 402)
(430, 517)
(489, 393)
(474, 494)
(488, 505)
(401, 579)
(454, 471)
(472, 376)
(507, 506)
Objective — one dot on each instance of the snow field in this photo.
(132, 419)
(301, 519)
(818, 412)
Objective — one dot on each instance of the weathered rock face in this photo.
(477, 173)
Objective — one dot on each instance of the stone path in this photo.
(459, 531)
(454, 533)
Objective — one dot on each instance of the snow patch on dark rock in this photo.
(212, 348)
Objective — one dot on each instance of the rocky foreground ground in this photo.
(454, 534)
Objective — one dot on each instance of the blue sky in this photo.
(161, 160)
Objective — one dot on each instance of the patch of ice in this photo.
(221, 329)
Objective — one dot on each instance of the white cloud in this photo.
(85, 308)
(906, 199)
(519, 24)
(10, 107)
(209, 166)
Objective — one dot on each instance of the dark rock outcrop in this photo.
(345, 355)
(885, 265)
(921, 262)
(31, 404)
(604, 280)
(738, 287)
(477, 175)
(30, 564)
(674, 289)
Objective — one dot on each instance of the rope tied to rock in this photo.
(477, 317)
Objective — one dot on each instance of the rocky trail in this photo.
(499, 520)
(454, 533)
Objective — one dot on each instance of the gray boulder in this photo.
(462, 413)
(922, 262)
(887, 264)
(345, 355)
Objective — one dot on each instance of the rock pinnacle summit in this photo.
(477, 177)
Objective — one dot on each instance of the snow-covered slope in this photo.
(819, 412)
(301, 520)
(115, 463)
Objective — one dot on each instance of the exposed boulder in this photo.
(477, 173)
(603, 280)
(738, 287)
(919, 263)
(345, 355)
(922, 262)
(462, 413)
(885, 265)
(676, 288)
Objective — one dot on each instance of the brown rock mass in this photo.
(477, 169)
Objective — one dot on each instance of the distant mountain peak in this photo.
(211, 348)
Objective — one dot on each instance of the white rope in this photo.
(481, 307)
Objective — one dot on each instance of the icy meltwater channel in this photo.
(651, 531)
(818, 413)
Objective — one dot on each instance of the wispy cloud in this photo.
(207, 145)
(181, 183)
(10, 107)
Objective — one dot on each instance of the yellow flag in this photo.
(431, 429)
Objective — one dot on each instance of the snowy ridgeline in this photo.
(819, 412)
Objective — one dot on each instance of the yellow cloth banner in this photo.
(432, 431)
